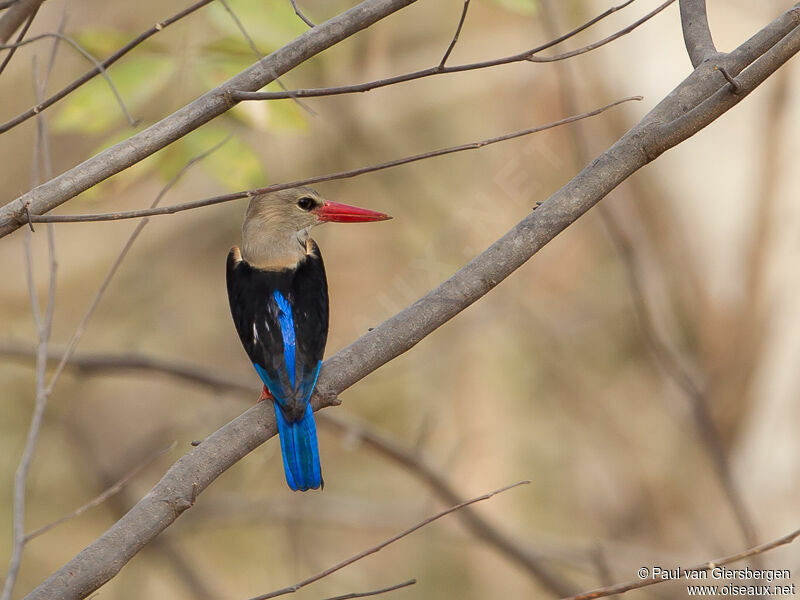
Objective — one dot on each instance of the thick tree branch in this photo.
(102, 497)
(198, 112)
(696, 32)
(371, 437)
(659, 130)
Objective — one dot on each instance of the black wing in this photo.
(282, 320)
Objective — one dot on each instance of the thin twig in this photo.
(374, 592)
(455, 36)
(378, 441)
(76, 336)
(660, 349)
(528, 55)
(163, 550)
(88, 56)
(621, 588)
(194, 114)
(44, 327)
(480, 527)
(300, 14)
(671, 365)
(103, 496)
(382, 545)
(259, 55)
(40, 106)
(103, 362)
(166, 210)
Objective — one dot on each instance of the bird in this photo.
(278, 295)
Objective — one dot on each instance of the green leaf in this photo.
(221, 62)
(93, 108)
(523, 7)
(236, 165)
(270, 23)
(102, 42)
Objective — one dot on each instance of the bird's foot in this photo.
(265, 395)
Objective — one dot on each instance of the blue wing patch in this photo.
(286, 321)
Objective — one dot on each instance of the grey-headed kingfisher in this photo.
(278, 294)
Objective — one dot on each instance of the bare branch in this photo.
(480, 527)
(40, 106)
(374, 592)
(528, 55)
(87, 55)
(299, 13)
(248, 38)
(168, 210)
(16, 15)
(371, 437)
(79, 330)
(696, 32)
(694, 392)
(455, 36)
(44, 326)
(665, 126)
(103, 362)
(382, 545)
(198, 112)
(103, 496)
(621, 588)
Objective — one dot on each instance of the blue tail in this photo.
(300, 451)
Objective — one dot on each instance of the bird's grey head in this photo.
(276, 225)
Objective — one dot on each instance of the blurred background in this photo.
(641, 370)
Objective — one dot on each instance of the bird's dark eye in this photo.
(305, 203)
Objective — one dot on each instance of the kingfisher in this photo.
(278, 293)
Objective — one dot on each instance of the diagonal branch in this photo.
(43, 104)
(696, 32)
(480, 527)
(377, 441)
(378, 547)
(440, 69)
(102, 497)
(658, 131)
(87, 55)
(621, 588)
(385, 590)
(168, 210)
(196, 113)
